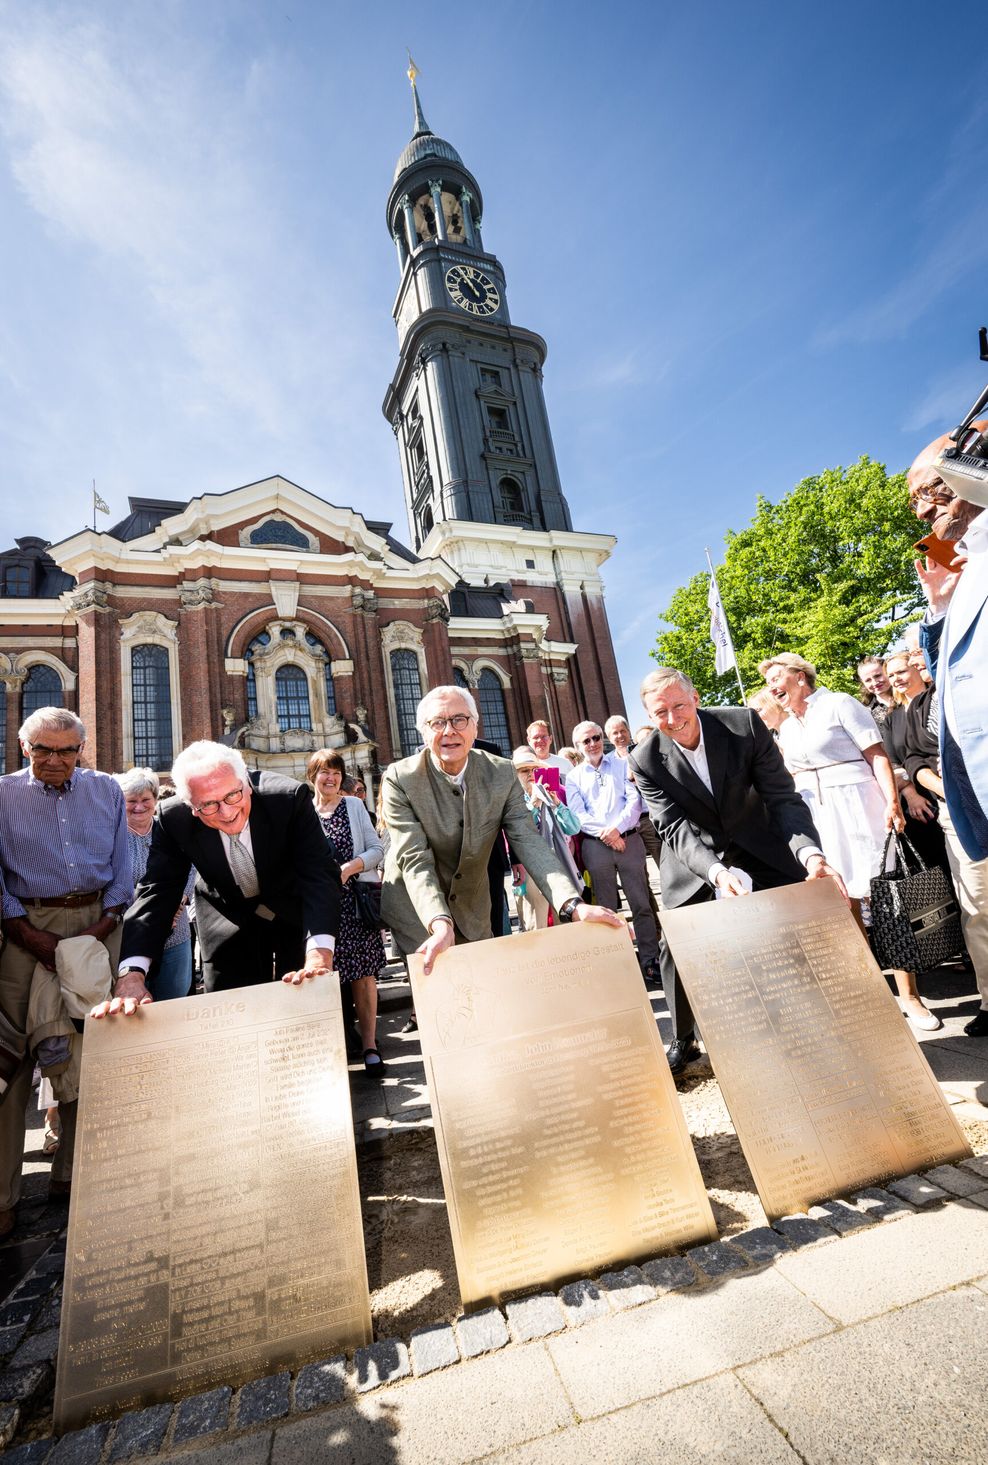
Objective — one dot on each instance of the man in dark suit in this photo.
(268, 890)
(726, 810)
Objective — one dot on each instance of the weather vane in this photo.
(413, 70)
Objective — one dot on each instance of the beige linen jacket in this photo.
(441, 840)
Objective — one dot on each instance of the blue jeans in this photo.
(174, 975)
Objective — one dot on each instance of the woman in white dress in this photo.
(833, 749)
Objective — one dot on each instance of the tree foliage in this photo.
(827, 572)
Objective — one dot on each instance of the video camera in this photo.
(964, 467)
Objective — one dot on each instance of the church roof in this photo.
(424, 143)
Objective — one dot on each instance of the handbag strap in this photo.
(903, 844)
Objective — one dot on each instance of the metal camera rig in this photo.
(964, 466)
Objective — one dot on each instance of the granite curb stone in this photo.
(977, 1163)
(954, 1180)
(534, 1317)
(842, 1216)
(481, 1332)
(14, 1313)
(760, 1245)
(10, 1337)
(381, 1363)
(803, 1231)
(320, 1383)
(82, 1446)
(669, 1273)
(18, 1385)
(140, 1433)
(433, 1347)
(263, 1399)
(38, 1348)
(717, 1259)
(917, 1191)
(582, 1302)
(627, 1288)
(33, 1453)
(880, 1203)
(202, 1414)
(979, 1199)
(10, 1418)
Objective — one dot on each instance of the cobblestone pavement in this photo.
(851, 1334)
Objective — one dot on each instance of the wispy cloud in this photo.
(945, 400)
(148, 166)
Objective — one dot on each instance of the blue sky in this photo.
(755, 238)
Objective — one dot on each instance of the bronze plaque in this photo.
(562, 1143)
(827, 1087)
(214, 1228)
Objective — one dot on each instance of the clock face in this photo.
(472, 290)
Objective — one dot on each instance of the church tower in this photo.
(466, 402)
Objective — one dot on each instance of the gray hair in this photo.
(205, 757)
(420, 711)
(582, 727)
(59, 719)
(616, 720)
(661, 677)
(138, 781)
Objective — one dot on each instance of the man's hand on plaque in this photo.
(818, 869)
(318, 963)
(440, 940)
(729, 884)
(129, 994)
(598, 913)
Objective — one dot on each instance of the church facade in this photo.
(282, 623)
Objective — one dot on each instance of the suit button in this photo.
(458, 875)
(452, 898)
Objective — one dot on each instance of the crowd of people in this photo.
(106, 880)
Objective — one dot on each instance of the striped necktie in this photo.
(243, 867)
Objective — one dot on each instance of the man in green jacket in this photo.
(444, 809)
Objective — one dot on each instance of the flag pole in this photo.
(94, 508)
(727, 630)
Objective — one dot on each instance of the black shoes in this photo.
(978, 1026)
(652, 973)
(411, 1026)
(682, 1051)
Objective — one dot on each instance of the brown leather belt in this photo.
(66, 902)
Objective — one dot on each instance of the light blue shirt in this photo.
(604, 797)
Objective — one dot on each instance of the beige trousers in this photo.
(16, 970)
(971, 883)
(532, 908)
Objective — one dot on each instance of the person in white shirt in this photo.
(539, 739)
(608, 806)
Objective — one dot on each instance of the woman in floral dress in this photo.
(359, 956)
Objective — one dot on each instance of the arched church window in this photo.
(42, 688)
(408, 694)
(279, 532)
(316, 644)
(513, 510)
(291, 687)
(493, 714)
(427, 521)
(152, 706)
(459, 679)
(262, 640)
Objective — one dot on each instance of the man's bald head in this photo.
(947, 515)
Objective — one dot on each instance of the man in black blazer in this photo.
(725, 808)
(268, 890)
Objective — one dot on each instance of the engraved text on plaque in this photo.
(826, 1085)
(561, 1139)
(214, 1231)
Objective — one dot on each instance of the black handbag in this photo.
(367, 900)
(915, 919)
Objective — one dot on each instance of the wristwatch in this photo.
(567, 908)
(115, 916)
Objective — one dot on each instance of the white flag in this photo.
(100, 503)
(719, 633)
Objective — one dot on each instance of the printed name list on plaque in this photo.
(214, 1229)
(827, 1087)
(561, 1140)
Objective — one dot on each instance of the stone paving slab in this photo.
(684, 1337)
(716, 1420)
(486, 1405)
(251, 1449)
(911, 1387)
(889, 1266)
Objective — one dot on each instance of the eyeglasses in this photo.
(586, 742)
(39, 751)
(457, 723)
(933, 493)
(211, 806)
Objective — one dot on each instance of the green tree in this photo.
(827, 572)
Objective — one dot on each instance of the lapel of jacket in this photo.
(969, 597)
(681, 769)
